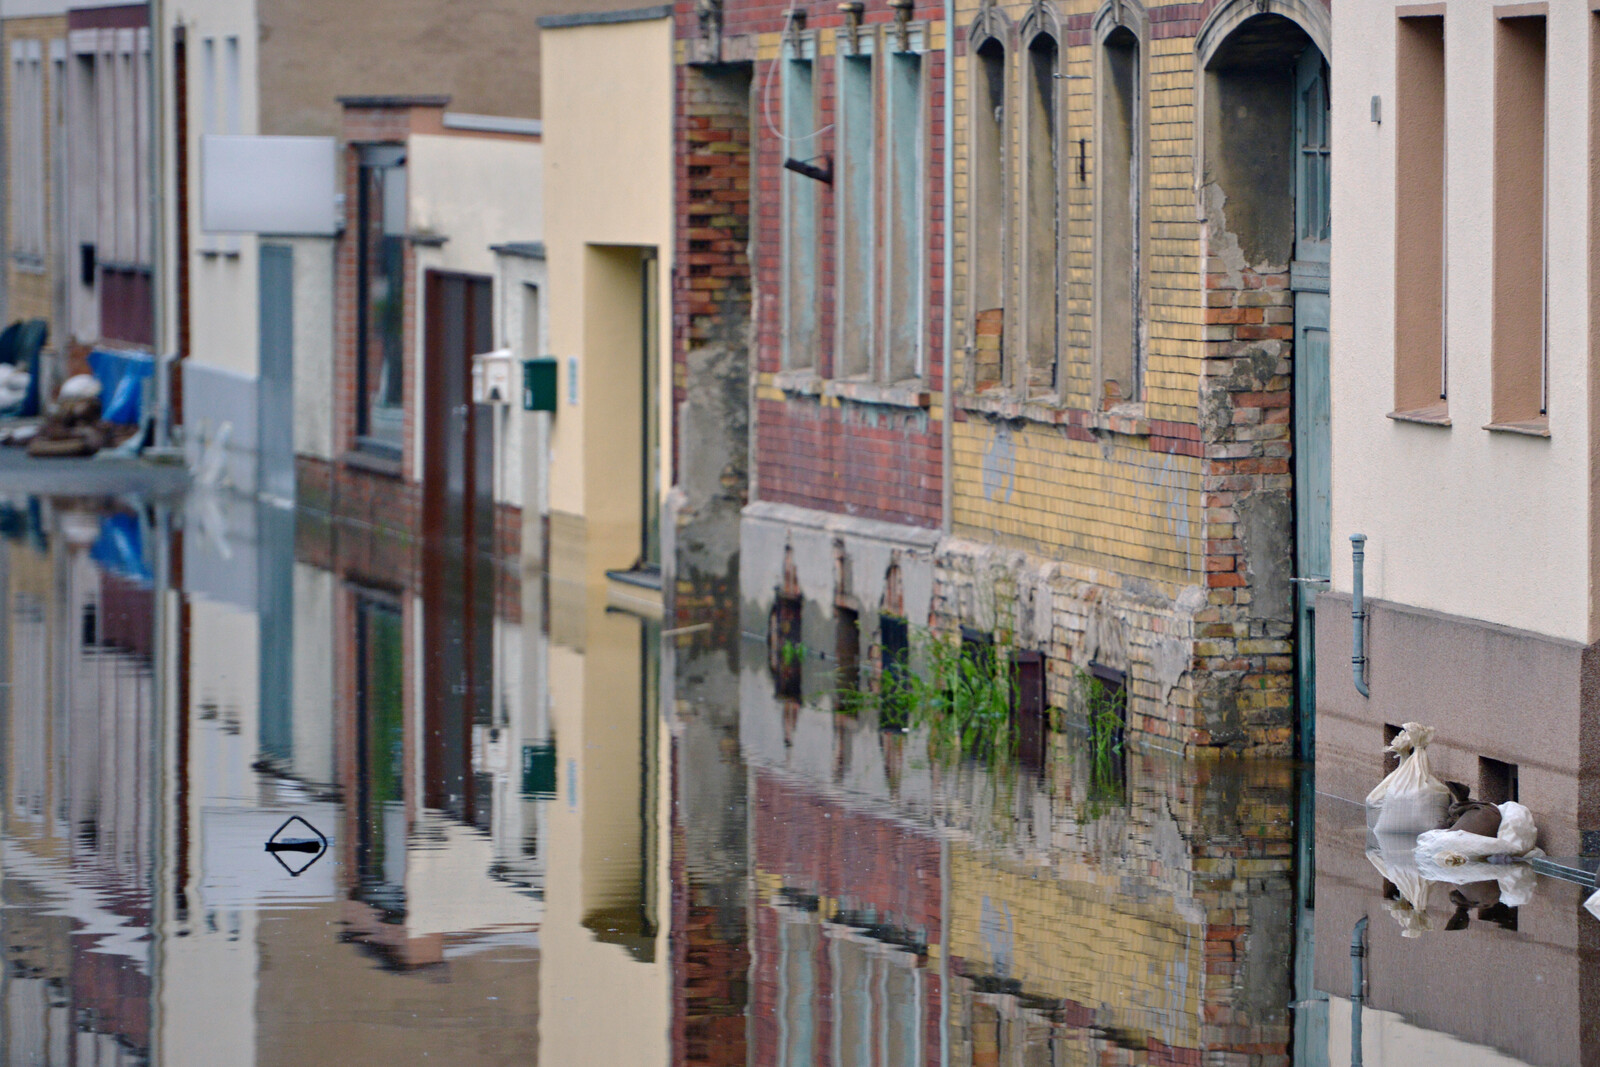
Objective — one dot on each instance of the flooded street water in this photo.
(280, 792)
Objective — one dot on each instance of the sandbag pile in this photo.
(1431, 833)
(14, 382)
(1410, 799)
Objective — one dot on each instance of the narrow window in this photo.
(27, 146)
(532, 345)
(988, 212)
(853, 190)
(210, 111)
(1419, 347)
(894, 663)
(1118, 289)
(380, 310)
(1042, 232)
(800, 218)
(902, 286)
(1520, 268)
(847, 648)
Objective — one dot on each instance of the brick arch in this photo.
(1310, 15)
(991, 23)
(1114, 14)
(1042, 18)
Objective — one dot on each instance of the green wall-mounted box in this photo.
(539, 384)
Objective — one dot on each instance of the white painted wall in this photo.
(476, 191)
(1461, 520)
(222, 269)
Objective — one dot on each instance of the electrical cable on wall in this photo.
(784, 41)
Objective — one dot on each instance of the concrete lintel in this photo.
(807, 518)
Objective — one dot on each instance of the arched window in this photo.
(1119, 196)
(989, 209)
(1041, 223)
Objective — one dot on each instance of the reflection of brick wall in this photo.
(1164, 918)
(864, 870)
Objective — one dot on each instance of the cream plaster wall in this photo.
(474, 191)
(1462, 520)
(222, 269)
(593, 844)
(608, 181)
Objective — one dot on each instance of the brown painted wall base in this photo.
(1490, 691)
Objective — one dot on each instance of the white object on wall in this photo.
(269, 185)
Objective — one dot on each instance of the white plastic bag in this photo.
(1455, 848)
(1410, 800)
(1398, 866)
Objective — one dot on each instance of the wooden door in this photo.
(458, 538)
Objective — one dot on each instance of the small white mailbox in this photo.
(492, 378)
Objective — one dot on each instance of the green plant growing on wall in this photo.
(962, 695)
(1105, 710)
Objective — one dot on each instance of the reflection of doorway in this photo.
(458, 531)
(380, 752)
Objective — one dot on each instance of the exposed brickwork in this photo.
(856, 869)
(849, 456)
(1131, 517)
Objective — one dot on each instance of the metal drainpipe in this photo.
(1358, 612)
(1358, 956)
(946, 440)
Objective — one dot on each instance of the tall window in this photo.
(903, 222)
(799, 218)
(27, 153)
(989, 210)
(1520, 261)
(1419, 346)
(854, 193)
(1118, 208)
(1042, 225)
(380, 310)
(221, 113)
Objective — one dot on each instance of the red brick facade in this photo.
(842, 450)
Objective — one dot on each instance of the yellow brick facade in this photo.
(1116, 529)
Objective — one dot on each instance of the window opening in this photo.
(1420, 217)
(1119, 283)
(1043, 224)
(380, 307)
(894, 663)
(903, 266)
(854, 191)
(989, 212)
(1519, 345)
(800, 221)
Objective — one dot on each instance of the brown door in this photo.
(458, 532)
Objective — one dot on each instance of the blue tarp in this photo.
(122, 376)
(120, 547)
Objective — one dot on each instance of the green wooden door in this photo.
(1309, 280)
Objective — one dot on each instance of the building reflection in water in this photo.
(566, 832)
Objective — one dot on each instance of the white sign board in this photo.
(269, 185)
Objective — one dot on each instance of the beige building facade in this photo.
(1464, 403)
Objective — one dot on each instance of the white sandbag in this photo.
(1410, 912)
(79, 387)
(1517, 880)
(1409, 799)
(1593, 904)
(1453, 848)
(7, 372)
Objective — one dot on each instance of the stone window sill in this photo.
(1539, 427)
(1437, 415)
(907, 394)
(1127, 419)
(373, 462)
